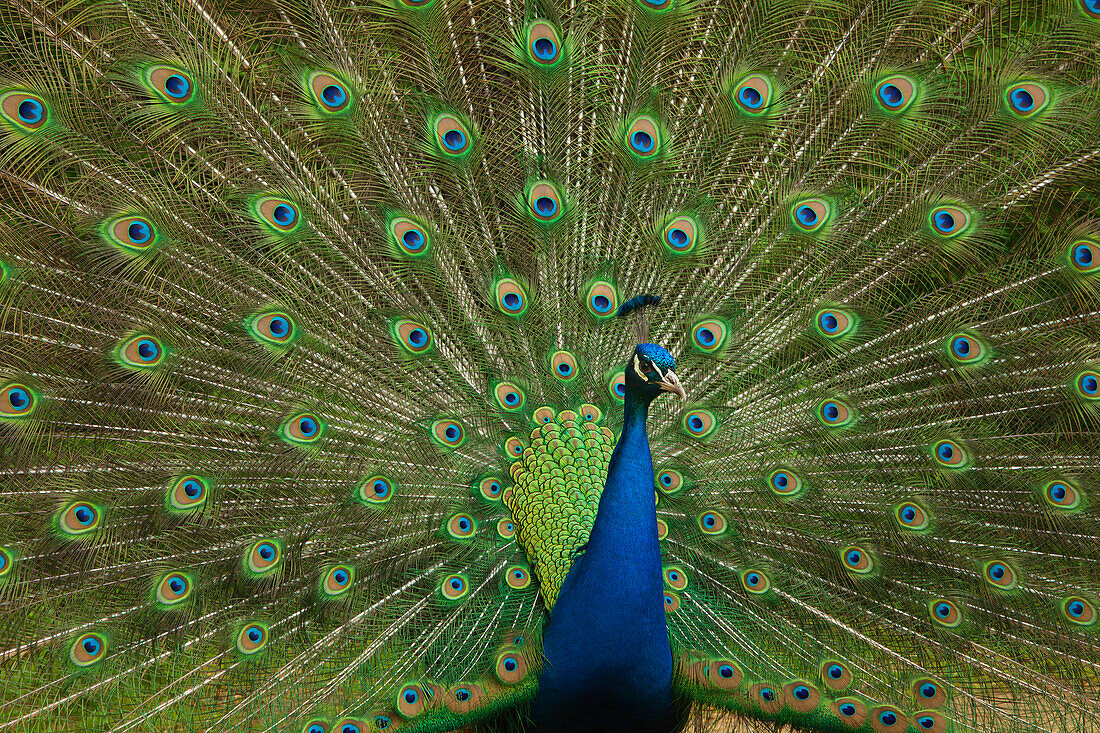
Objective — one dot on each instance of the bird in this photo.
(425, 365)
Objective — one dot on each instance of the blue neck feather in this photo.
(608, 662)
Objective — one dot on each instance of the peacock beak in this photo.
(671, 383)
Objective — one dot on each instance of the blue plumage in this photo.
(608, 661)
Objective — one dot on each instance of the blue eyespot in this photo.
(836, 671)
(147, 350)
(908, 514)
(266, 551)
(848, 709)
(176, 86)
(829, 323)
(333, 95)
(349, 728)
(317, 729)
(278, 326)
(928, 690)
(307, 426)
(834, 413)
(340, 576)
(944, 221)
(767, 693)
(945, 451)
(997, 571)
(564, 369)
(705, 336)
(462, 694)
(382, 722)
(1082, 253)
(512, 301)
(854, 557)
(1022, 100)
(810, 215)
(943, 610)
(92, 646)
(413, 239)
(192, 488)
(601, 303)
(677, 237)
(750, 97)
(381, 488)
(890, 95)
(18, 398)
(411, 697)
(254, 634)
(84, 514)
(177, 584)
(961, 347)
(753, 578)
(454, 139)
(451, 432)
(926, 722)
(284, 215)
(641, 141)
(457, 584)
(139, 232)
(725, 671)
(887, 717)
(510, 664)
(545, 49)
(30, 111)
(1089, 384)
(802, 692)
(546, 206)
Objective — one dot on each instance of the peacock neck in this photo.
(627, 507)
(606, 644)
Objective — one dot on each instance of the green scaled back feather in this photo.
(287, 290)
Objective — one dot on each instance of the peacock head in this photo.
(649, 373)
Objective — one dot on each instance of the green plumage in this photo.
(285, 287)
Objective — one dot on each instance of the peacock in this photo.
(624, 365)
